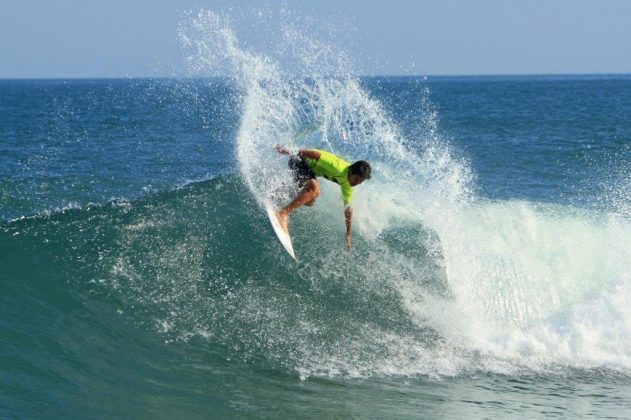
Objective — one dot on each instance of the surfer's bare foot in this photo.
(283, 219)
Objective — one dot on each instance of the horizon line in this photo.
(437, 75)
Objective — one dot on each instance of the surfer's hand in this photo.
(282, 149)
(349, 241)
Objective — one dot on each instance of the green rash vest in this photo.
(334, 169)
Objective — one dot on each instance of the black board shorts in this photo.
(301, 171)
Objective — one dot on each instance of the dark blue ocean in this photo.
(490, 274)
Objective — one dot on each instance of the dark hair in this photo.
(361, 168)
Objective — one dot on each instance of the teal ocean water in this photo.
(490, 275)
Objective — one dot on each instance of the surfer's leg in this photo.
(314, 188)
(306, 197)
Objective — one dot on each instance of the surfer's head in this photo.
(358, 172)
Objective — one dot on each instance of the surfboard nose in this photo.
(281, 234)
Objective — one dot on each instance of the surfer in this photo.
(308, 164)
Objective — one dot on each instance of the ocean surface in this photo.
(490, 275)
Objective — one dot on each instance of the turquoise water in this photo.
(490, 274)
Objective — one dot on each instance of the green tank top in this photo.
(334, 169)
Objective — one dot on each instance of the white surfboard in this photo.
(283, 236)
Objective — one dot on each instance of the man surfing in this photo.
(311, 163)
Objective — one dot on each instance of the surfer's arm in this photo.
(313, 154)
(282, 150)
(348, 216)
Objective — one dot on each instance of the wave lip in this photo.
(490, 278)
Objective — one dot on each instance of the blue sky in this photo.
(116, 38)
